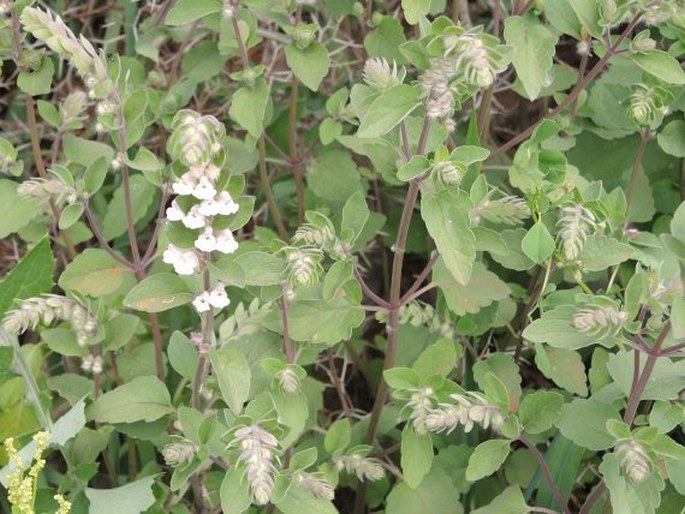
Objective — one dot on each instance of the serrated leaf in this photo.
(233, 373)
(601, 252)
(591, 433)
(661, 65)
(564, 367)
(540, 410)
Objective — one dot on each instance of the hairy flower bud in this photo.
(601, 319)
(365, 468)
(576, 222)
(508, 210)
(194, 138)
(645, 105)
(176, 454)
(257, 454)
(319, 487)
(379, 75)
(303, 265)
(635, 460)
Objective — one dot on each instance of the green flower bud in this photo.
(304, 34)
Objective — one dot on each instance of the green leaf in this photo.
(186, 11)
(510, 501)
(323, 322)
(261, 268)
(438, 358)
(671, 138)
(385, 41)
(94, 272)
(143, 195)
(292, 411)
(119, 331)
(354, 216)
(95, 175)
(401, 378)
(661, 65)
(31, 276)
(145, 160)
(482, 289)
(329, 130)
(310, 65)
(298, 500)
(446, 214)
(70, 215)
(37, 82)
(142, 399)
(533, 48)
(249, 107)
(159, 292)
(435, 494)
(17, 211)
(338, 436)
(333, 176)
(564, 459)
(416, 167)
(540, 410)
(414, 9)
(587, 12)
(132, 498)
(630, 496)
(665, 383)
(388, 110)
(234, 492)
(233, 373)
(48, 112)
(591, 433)
(62, 341)
(487, 458)
(182, 355)
(538, 243)
(601, 252)
(84, 152)
(564, 367)
(416, 456)
(555, 328)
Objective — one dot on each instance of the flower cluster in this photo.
(576, 222)
(177, 453)
(216, 298)
(379, 75)
(508, 210)
(366, 468)
(635, 460)
(288, 380)
(48, 189)
(48, 309)
(646, 104)
(319, 232)
(79, 51)
(420, 404)
(21, 487)
(319, 487)
(92, 364)
(303, 265)
(602, 319)
(416, 314)
(202, 204)
(474, 55)
(257, 453)
(468, 410)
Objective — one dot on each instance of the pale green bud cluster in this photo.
(303, 265)
(419, 314)
(319, 487)
(468, 410)
(195, 138)
(575, 223)
(356, 462)
(78, 51)
(44, 190)
(257, 453)
(379, 75)
(600, 319)
(48, 309)
(634, 460)
(645, 105)
(508, 210)
(178, 453)
(72, 107)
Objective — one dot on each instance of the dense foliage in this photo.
(318, 256)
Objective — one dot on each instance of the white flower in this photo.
(194, 219)
(222, 203)
(204, 190)
(185, 186)
(218, 297)
(206, 241)
(185, 262)
(225, 242)
(212, 171)
(174, 213)
(202, 302)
